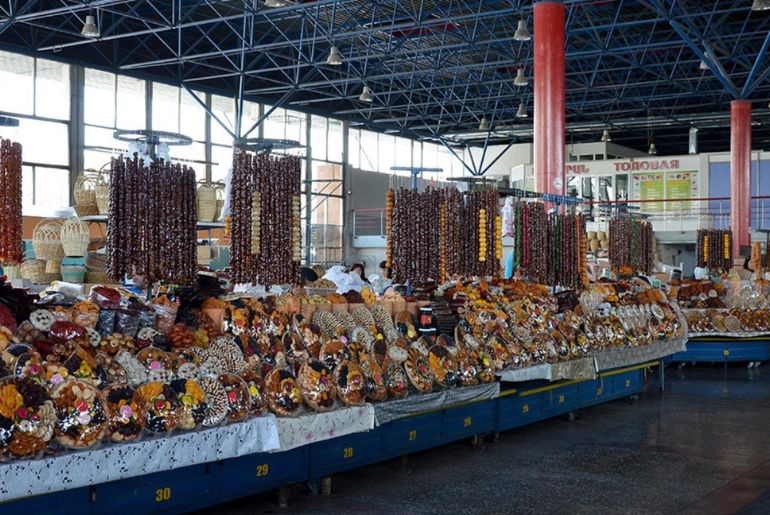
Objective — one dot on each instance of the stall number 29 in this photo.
(263, 470)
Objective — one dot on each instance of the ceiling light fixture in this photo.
(522, 32)
(522, 112)
(90, 30)
(653, 151)
(335, 58)
(484, 124)
(704, 65)
(276, 3)
(366, 94)
(606, 138)
(521, 79)
(761, 5)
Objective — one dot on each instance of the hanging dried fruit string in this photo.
(10, 208)
(631, 245)
(151, 221)
(714, 249)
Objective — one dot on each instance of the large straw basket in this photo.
(75, 237)
(53, 267)
(46, 240)
(32, 270)
(207, 202)
(85, 195)
(102, 192)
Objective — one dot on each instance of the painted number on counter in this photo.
(599, 391)
(628, 383)
(347, 452)
(162, 494)
(561, 399)
(525, 408)
(726, 352)
(412, 435)
(467, 422)
(263, 470)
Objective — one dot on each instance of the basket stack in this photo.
(85, 195)
(96, 268)
(46, 241)
(597, 240)
(102, 193)
(209, 201)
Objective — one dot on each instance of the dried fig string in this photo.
(10, 208)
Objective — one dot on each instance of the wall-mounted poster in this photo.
(681, 185)
(648, 187)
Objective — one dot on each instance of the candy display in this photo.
(82, 419)
(271, 255)
(27, 417)
(316, 385)
(126, 413)
(631, 246)
(151, 222)
(714, 249)
(11, 247)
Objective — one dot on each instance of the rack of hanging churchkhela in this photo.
(266, 231)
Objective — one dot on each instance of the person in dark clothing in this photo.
(307, 275)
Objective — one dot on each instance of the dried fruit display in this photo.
(10, 208)
(631, 245)
(266, 219)
(151, 225)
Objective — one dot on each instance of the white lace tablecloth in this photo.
(757, 334)
(120, 461)
(316, 427)
(419, 403)
(583, 368)
(627, 356)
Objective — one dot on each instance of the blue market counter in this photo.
(723, 349)
(209, 484)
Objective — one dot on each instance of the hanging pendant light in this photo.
(366, 94)
(521, 79)
(606, 138)
(652, 151)
(522, 32)
(276, 3)
(522, 112)
(703, 65)
(484, 124)
(335, 58)
(761, 5)
(90, 30)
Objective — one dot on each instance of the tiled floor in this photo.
(702, 447)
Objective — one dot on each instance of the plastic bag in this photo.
(317, 386)
(350, 383)
(104, 297)
(238, 397)
(70, 290)
(146, 317)
(165, 317)
(127, 322)
(81, 413)
(106, 323)
(192, 403)
(507, 212)
(160, 403)
(62, 332)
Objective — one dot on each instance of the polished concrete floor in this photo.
(702, 447)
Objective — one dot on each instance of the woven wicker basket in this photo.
(46, 240)
(53, 267)
(49, 278)
(75, 237)
(85, 193)
(32, 270)
(206, 199)
(102, 191)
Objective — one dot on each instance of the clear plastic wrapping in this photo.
(27, 418)
(317, 386)
(350, 383)
(192, 403)
(127, 322)
(127, 416)
(81, 414)
(257, 394)
(238, 397)
(104, 297)
(396, 380)
(160, 403)
(283, 393)
(216, 399)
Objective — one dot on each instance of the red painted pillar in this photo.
(740, 173)
(549, 97)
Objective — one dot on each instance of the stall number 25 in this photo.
(163, 494)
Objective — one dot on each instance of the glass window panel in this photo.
(52, 187)
(354, 148)
(44, 142)
(327, 178)
(416, 153)
(368, 150)
(295, 126)
(318, 137)
(165, 108)
(189, 154)
(99, 98)
(52, 90)
(335, 141)
(223, 157)
(16, 78)
(403, 150)
(274, 126)
(250, 117)
(131, 103)
(387, 153)
(192, 117)
(101, 137)
(27, 188)
(429, 156)
(224, 109)
(96, 159)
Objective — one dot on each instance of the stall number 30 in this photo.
(263, 470)
(163, 494)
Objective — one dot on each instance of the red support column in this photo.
(549, 28)
(740, 173)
